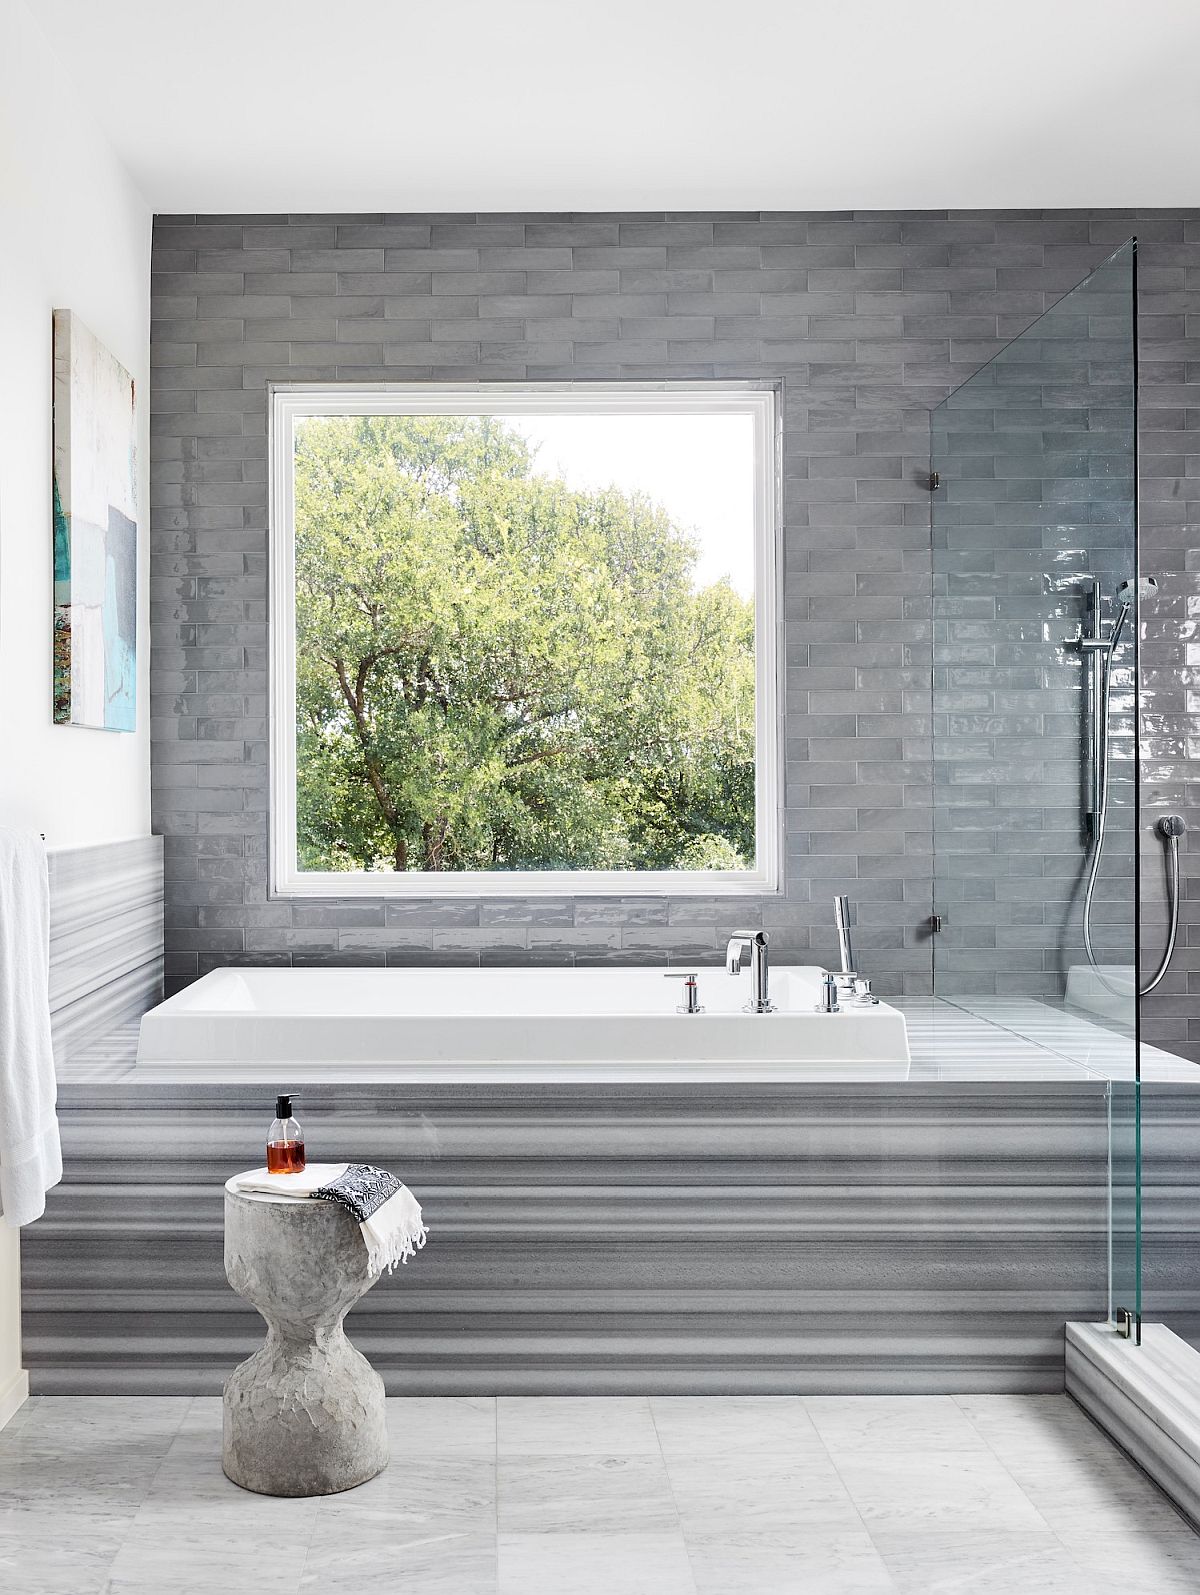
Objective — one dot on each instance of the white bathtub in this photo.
(284, 1025)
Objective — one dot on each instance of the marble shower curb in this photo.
(1147, 1397)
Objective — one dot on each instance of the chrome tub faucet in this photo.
(754, 943)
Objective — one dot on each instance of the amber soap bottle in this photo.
(285, 1143)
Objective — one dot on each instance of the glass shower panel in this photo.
(1034, 521)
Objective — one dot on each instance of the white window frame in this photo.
(290, 402)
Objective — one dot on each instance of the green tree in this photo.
(497, 671)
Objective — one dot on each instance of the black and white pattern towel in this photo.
(362, 1190)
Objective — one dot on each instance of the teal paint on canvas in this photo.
(95, 532)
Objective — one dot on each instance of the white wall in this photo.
(73, 233)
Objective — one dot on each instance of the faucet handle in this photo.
(691, 990)
(829, 994)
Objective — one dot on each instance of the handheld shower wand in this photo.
(1099, 649)
(841, 918)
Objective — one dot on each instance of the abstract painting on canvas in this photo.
(95, 532)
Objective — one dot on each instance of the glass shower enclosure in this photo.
(1034, 729)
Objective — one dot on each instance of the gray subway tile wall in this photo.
(1035, 457)
(867, 320)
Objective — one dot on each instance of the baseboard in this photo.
(1147, 1397)
(14, 1396)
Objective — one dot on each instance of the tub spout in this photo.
(753, 942)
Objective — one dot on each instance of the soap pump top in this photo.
(285, 1142)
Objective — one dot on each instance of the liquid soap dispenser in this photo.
(285, 1143)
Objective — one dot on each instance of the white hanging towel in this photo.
(30, 1158)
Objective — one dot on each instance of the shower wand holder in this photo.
(1169, 828)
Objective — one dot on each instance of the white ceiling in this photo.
(314, 105)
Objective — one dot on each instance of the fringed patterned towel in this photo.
(388, 1214)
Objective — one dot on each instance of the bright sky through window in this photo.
(700, 468)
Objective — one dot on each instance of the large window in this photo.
(523, 639)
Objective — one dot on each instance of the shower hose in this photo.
(1170, 828)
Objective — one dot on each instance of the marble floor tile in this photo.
(226, 1581)
(189, 1487)
(1029, 1428)
(595, 1564)
(195, 1554)
(423, 1426)
(886, 1495)
(585, 1494)
(928, 1490)
(21, 1416)
(98, 1477)
(435, 1562)
(575, 1425)
(691, 1426)
(893, 1424)
(1109, 1492)
(190, 1471)
(433, 1495)
(772, 1563)
(947, 1561)
(36, 1558)
(132, 1417)
(1140, 1561)
(763, 1491)
(205, 1415)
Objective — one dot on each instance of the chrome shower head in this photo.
(1145, 588)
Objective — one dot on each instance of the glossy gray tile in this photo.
(869, 323)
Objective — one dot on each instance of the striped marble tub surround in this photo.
(920, 1236)
(932, 1233)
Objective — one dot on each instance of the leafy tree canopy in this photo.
(498, 671)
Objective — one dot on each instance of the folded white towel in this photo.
(30, 1157)
(391, 1234)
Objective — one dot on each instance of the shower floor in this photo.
(1021, 1038)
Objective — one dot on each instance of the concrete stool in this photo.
(305, 1414)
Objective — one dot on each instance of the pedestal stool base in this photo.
(304, 1415)
(307, 1424)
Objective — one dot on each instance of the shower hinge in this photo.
(935, 481)
(1125, 1323)
(935, 924)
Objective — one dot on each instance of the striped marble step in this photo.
(106, 938)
